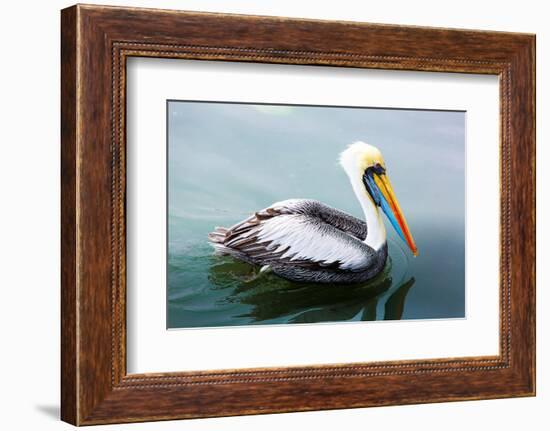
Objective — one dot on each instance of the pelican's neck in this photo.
(376, 231)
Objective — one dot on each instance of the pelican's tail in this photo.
(219, 235)
(217, 240)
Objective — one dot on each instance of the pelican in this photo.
(304, 240)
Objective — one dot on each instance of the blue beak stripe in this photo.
(381, 201)
(389, 213)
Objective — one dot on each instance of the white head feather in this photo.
(359, 156)
(355, 160)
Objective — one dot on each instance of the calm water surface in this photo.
(228, 160)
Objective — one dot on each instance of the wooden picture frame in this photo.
(95, 43)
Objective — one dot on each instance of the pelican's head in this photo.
(365, 165)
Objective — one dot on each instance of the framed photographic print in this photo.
(264, 214)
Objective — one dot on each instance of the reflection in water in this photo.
(207, 291)
(273, 298)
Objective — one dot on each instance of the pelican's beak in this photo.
(391, 208)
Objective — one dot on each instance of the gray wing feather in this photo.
(298, 233)
(332, 216)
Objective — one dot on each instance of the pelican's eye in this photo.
(379, 169)
(370, 185)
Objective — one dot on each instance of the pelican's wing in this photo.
(332, 216)
(277, 235)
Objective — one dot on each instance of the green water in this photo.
(227, 160)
